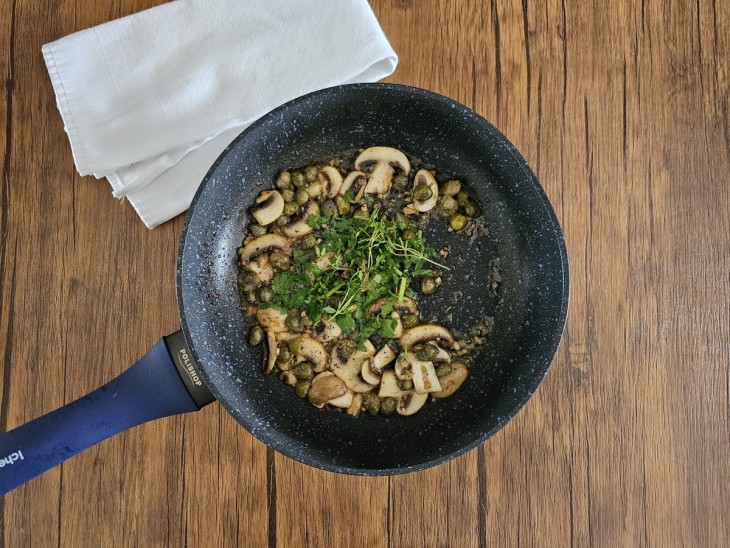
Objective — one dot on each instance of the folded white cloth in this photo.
(150, 100)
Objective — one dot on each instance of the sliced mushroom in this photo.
(344, 401)
(425, 379)
(385, 159)
(325, 388)
(389, 385)
(349, 370)
(410, 402)
(261, 267)
(356, 405)
(271, 319)
(288, 377)
(330, 181)
(299, 227)
(324, 262)
(404, 366)
(425, 177)
(451, 382)
(310, 350)
(406, 306)
(272, 352)
(442, 357)
(426, 332)
(263, 244)
(327, 331)
(356, 181)
(271, 206)
(372, 370)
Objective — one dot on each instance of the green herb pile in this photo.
(363, 259)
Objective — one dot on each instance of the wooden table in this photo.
(624, 115)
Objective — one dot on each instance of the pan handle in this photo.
(164, 382)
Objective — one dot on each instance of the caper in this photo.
(303, 371)
(462, 197)
(284, 355)
(449, 206)
(265, 294)
(408, 234)
(308, 241)
(343, 207)
(409, 320)
(400, 181)
(371, 402)
(428, 285)
(294, 323)
(280, 260)
(283, 180)
(387, 406)
(256, 229)
(427, 353)
(405, 385)
(256, 335)
(310, 173)
(287, 194)
(302, 387)
(422, 193)
(329, 208)
(298, 179)
(458, 222)
(450, 188)
(301, 197)
(290, 208)
(282, 220)
(443, 369)
(471, 209)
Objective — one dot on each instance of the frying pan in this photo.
(210, 358)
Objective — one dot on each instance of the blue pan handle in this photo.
(164, 382)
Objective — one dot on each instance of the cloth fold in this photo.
(149, 101)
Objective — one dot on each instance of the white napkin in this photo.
(150, 100)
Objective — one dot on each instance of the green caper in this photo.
(294, 323)
(427, 353)
(282, 220)
(422, 193)
(256, 229)
(371, 402)
(443, 369)
(400, 182)
(308, 241)
(408, 234)
(283, 180)
(284, 355)
(303, 371)
(462, 197)
(329, 208)
(302, 387)
(280, 260)
(429, 285)
(387, 406)
(298, 179)
(458, 222)
(450, 188)
(449, 206)
(310, 173)
(265, 294)
(287, 194)
(343, 207)
(409, 320)
(301, 197)
(256, 335)
(471, 209)
(405, 385)
(290, 208)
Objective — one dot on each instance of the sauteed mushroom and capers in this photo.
(332, 272)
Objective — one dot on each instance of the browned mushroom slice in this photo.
(356, 405)
(450, 383)
(425, 379)
(299, 227)
(372, 370)
(425, 177)
(389, 385)
(327, 331)
(261, 267)
(271, 206)
(330, 181)
(354, 181)
(325, 388)
(271, 319)
(288, 377)
(349, 370)
(404, 366)
(272, 351)
(410, 402)
(344, 401)
(426, 332)
(311, 350)
(384, 160)
(263, 244)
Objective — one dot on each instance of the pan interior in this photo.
(523, 233)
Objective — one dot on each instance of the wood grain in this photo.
(624, 114)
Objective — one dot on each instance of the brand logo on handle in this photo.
(11, 458)
(190, 368)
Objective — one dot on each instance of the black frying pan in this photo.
(529, 308)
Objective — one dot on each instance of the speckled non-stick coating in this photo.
(523, 231)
